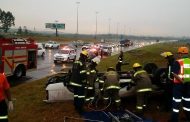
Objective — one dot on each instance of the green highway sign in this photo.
(55, 25)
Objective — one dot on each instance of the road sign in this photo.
(55, 25)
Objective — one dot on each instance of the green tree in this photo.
(19, 30)
(6, 20)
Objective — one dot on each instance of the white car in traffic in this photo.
(52, 44)
(65, 55)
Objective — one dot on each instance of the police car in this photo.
(65, 54)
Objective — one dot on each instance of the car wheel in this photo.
(70, 88)
(160, 77)
(43, 54)
(74, 59)
(68, 59)
(150, 68)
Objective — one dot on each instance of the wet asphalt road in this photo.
(46, 66)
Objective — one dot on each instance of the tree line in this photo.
(6, 20)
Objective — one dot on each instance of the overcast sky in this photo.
(139, 17)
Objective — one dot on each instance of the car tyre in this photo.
(160, 77)
(150, 68)
(74, 59)
(43, 54)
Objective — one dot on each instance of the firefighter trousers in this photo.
(3, 111)
(89, 94)
(79, 98)
(113, 94)
(181, 93)
(142, 100)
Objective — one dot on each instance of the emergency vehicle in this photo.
(65, 55)
(17, 56)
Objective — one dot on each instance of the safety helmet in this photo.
(110, 69)
(166, 54)
(96, 60)
(135, 65)
(183, 50)
(84, 52)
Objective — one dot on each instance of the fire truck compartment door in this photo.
(32, 59)
(8, 63)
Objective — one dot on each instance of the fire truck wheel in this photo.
(19, 71)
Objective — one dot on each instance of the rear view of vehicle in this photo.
(65, 55)
(52, 45)
(107, 50)
(41, 50)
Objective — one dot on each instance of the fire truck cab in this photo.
(17, 56)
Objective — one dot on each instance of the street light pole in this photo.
(77, 16)
(96, 25)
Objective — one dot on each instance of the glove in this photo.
(10, 105)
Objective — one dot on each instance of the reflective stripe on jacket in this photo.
(184, 72)
(111, 79)
(3, 117)
(113, 87)
(142, 80)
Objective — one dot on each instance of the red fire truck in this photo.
(17, 56)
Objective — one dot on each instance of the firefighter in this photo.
(78, 81)
(168, 86)
(180, 71)
(111, 86)
(5, 94)
(140, 86)
(120, 61)
(91, 79)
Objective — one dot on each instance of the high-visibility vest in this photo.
(184, 72)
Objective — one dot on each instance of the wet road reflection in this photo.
(46, 66)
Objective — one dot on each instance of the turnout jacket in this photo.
(142, 81)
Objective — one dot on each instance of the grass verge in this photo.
(28, 104)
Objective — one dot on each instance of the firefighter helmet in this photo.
(183, 50)
(166, 54)
(84, 52)
(135, 65)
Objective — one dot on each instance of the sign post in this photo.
(55, 26)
